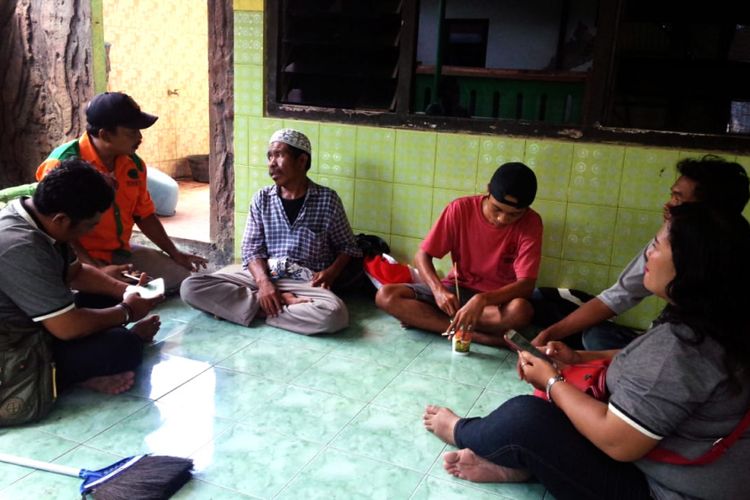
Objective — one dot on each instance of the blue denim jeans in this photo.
(529, 433)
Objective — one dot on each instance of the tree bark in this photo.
(221, 125)
(46, 78)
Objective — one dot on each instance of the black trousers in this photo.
(108, 352)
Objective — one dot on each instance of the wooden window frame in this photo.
(597, 97)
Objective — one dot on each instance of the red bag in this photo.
(589, 377)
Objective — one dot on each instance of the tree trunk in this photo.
(46, 78)
(221, 125)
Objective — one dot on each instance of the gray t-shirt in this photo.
(628, 291)
(32, 271)
(678, 392)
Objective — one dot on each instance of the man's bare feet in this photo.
(441, 422)
(290, 299)
(465, 464)
(147, 327)
(110, 384)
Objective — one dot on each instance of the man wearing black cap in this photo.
(113, 134)
(495, 241)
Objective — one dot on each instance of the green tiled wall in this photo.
(600, 203)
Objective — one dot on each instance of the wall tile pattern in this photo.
(600, 203)
(166, 50)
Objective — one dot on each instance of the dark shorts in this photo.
(424, 293)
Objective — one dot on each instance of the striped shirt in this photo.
(318, 235)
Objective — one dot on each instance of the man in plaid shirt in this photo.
(297, 242)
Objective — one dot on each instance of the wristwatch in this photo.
(552, 381)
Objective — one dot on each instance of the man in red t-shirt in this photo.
(495, 241)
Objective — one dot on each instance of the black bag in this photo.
(27, 375)
(553, 304)
(372, 245)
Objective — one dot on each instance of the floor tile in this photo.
(394, 437)
(31, 443)
(162, 429)
(267, 413)
(224, 393)
(271, 360)
(304, 413)
(506, 382)
(200, 490)
(160, 373)
(80, 414)
(253, 463)
(338, 475)
(438, 489)
(477, 368)
(205, 339)
(387, 345)
(347, 377)
(410, 393)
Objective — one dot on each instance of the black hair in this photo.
(94, 130)
(297, 151)
(74, 188)
(709, 293)
(722, 184)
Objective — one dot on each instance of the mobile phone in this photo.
(150, 290)
(521, 343)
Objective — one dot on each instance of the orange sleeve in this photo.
(46, 166)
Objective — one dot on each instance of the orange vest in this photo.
(132, 200)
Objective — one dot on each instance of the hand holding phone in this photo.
(521, 343)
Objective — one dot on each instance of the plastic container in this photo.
(461, 342)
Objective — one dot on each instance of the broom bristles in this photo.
(150, 478)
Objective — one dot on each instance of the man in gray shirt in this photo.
(718, 183)
(38, 272)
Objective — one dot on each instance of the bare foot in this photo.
(110, 384)
(465, 464)
(290, 299)
(441, 422)
(147, 327)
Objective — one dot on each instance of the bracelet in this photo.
(552, 381)
(128, 312)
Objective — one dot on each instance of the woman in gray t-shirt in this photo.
(680, 387)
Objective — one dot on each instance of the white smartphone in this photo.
(152, 289)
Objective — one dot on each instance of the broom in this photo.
(145, 477)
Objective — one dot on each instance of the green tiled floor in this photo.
(266, 413)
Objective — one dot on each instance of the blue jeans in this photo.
(529, 433)
(608, 335)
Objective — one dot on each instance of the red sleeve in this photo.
(438, 241)
(529, 249)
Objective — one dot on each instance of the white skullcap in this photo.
(293, 138)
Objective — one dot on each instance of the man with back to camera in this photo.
(711, 180)
(113, 134)
(39, 269)
(495, 241)
(296, 246)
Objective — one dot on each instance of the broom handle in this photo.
(36, 464)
